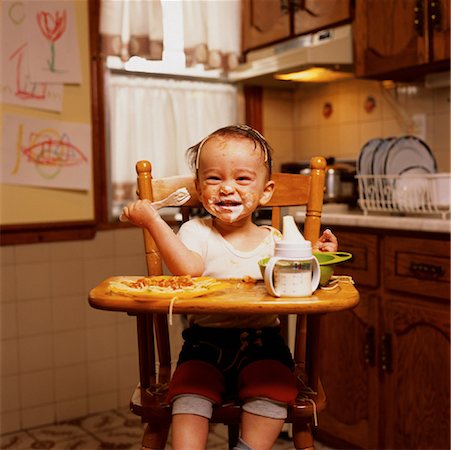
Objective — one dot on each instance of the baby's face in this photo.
(232, 178)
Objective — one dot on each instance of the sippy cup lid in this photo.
(293, 244)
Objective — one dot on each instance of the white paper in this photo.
(46, 153)
(16, 85)
(53, 41)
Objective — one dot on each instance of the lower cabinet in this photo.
(385, 365)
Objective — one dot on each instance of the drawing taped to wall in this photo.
(52, 36)
(17, 87)
(46, 153)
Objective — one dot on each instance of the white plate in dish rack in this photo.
(365, 159)
(407, 153)
(379, 155)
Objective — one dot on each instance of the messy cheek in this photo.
(249, 200)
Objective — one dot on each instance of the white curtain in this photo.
(132, 27)
(158, 119)
(212, 33)
(211, 30)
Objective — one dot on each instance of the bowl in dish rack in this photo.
(327, 262)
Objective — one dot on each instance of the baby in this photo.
(227, 356)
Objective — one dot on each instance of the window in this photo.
(157, 109)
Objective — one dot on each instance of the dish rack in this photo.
(407, 194)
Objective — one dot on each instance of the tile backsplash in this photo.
(337, 119)
(60, 358)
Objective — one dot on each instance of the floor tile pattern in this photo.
(118, 429)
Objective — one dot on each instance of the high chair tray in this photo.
(237, 298)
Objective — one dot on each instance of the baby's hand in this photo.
(328, 242)
(140, 213)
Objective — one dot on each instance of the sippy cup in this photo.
(293, 271)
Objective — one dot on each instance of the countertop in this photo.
(341, 214)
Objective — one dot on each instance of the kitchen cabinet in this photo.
(269, 21)
(386, 364)
(401, 40)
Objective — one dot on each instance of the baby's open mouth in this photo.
(228, 204)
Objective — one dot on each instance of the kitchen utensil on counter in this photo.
(293, 271)
(341, 185)
(176, 198)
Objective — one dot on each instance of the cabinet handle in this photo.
(291, 6)
(435, 15)
(426, 270)
(370, 346)
(386, 353)
(285, 6)
(418, 20)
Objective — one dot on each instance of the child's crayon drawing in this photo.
(46, 153)
(53, 40)
(17, 87)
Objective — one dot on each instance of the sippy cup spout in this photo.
(291, 232)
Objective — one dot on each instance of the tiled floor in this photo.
(117, 429)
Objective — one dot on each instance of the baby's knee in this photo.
(196, 378)
(268, 379)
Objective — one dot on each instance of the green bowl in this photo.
(327, 262)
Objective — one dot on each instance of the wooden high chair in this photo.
(148, 398)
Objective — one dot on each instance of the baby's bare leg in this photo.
(189, 431)
(260, 433)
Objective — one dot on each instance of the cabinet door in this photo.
(349, 375)
(386, 37)
(439, 17)
(315, 15)
(364, 265)
(416, 410)
(263, 22)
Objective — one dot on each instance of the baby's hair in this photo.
(193, 153)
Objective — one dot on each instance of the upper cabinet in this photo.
(394, 37)
(314, 15)
(265, 22)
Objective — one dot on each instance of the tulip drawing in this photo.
(52, 27)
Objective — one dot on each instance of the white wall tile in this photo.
(32, 253)
(102, 246)
(39, 415)
(9, 357)
(62, 251)
(67, 277)
(8, 316)
(71, 409)
(10, 421)
(97, 270)
(69, 347)
(102, 376)
(35, 353)
(103, 402)
(33, 280)
(36, 389)
(128, 372)
(34, 316)
(8, 284)
(128, 241)
(71, 382)
(101, 343)
(7, 255)
(9, 394)
(69, 312)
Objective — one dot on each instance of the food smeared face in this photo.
(232, 178)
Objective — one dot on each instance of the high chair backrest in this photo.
(290, 190)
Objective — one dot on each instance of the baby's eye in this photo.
(212, 179)
(244, 179)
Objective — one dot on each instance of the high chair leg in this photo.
(155, 435)
(302, 436)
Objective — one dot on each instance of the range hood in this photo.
(330, 48)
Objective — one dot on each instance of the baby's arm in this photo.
(327, 242)
(178, 258)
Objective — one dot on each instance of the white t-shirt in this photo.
(222, 260)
